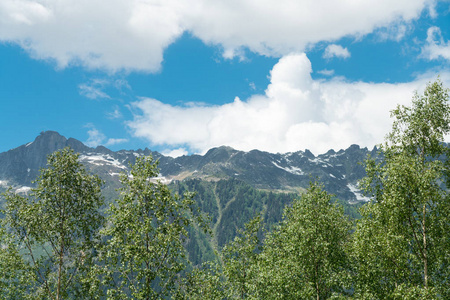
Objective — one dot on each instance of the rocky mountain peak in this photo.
(219, 154)
(308, 154)
(47, 142)
(21, 165)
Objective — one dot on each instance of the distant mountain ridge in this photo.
(339, 171)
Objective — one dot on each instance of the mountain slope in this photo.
(289, 172)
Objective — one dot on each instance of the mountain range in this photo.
(288, 172)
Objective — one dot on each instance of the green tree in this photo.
(305, 257)
(401, 243)
(239, 258)
(147, 227)
(204, 282)
(233, 274)
(15, 278)
(56, 227)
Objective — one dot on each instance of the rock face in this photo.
(339, 171)
(21, 165)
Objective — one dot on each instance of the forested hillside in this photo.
(231, 204)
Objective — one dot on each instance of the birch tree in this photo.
(56, 227)
(305, 257)
(146, 229)
(402, 241)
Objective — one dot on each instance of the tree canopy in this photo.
(56, 244)
(402, 241)
(56, 227)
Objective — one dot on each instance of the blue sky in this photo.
(181, 77)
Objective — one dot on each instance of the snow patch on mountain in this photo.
(23, 190)
(161, 179)
(291, 169)
(359, 196)
(101, 160)
(316, 160)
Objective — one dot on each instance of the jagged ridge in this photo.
(339, 171)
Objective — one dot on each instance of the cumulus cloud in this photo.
(334, 50)
(133, 34)
(435, 46)
(278, 28)
(113, 35)
(296, 112)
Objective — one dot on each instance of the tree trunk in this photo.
(317, 282)
(61, 255)
(425, 255)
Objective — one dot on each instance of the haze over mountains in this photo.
(289, 172)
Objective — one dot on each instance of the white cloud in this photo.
(281, 27)
(133, 34)
(395, 33)
(122, 84)
(326, 72)
(115, 114)
(94, 89)
(295, 113)
(435, 46)
(97, 138)
(334, 50)
(111, 142)
(112, 35)
(175, 152)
